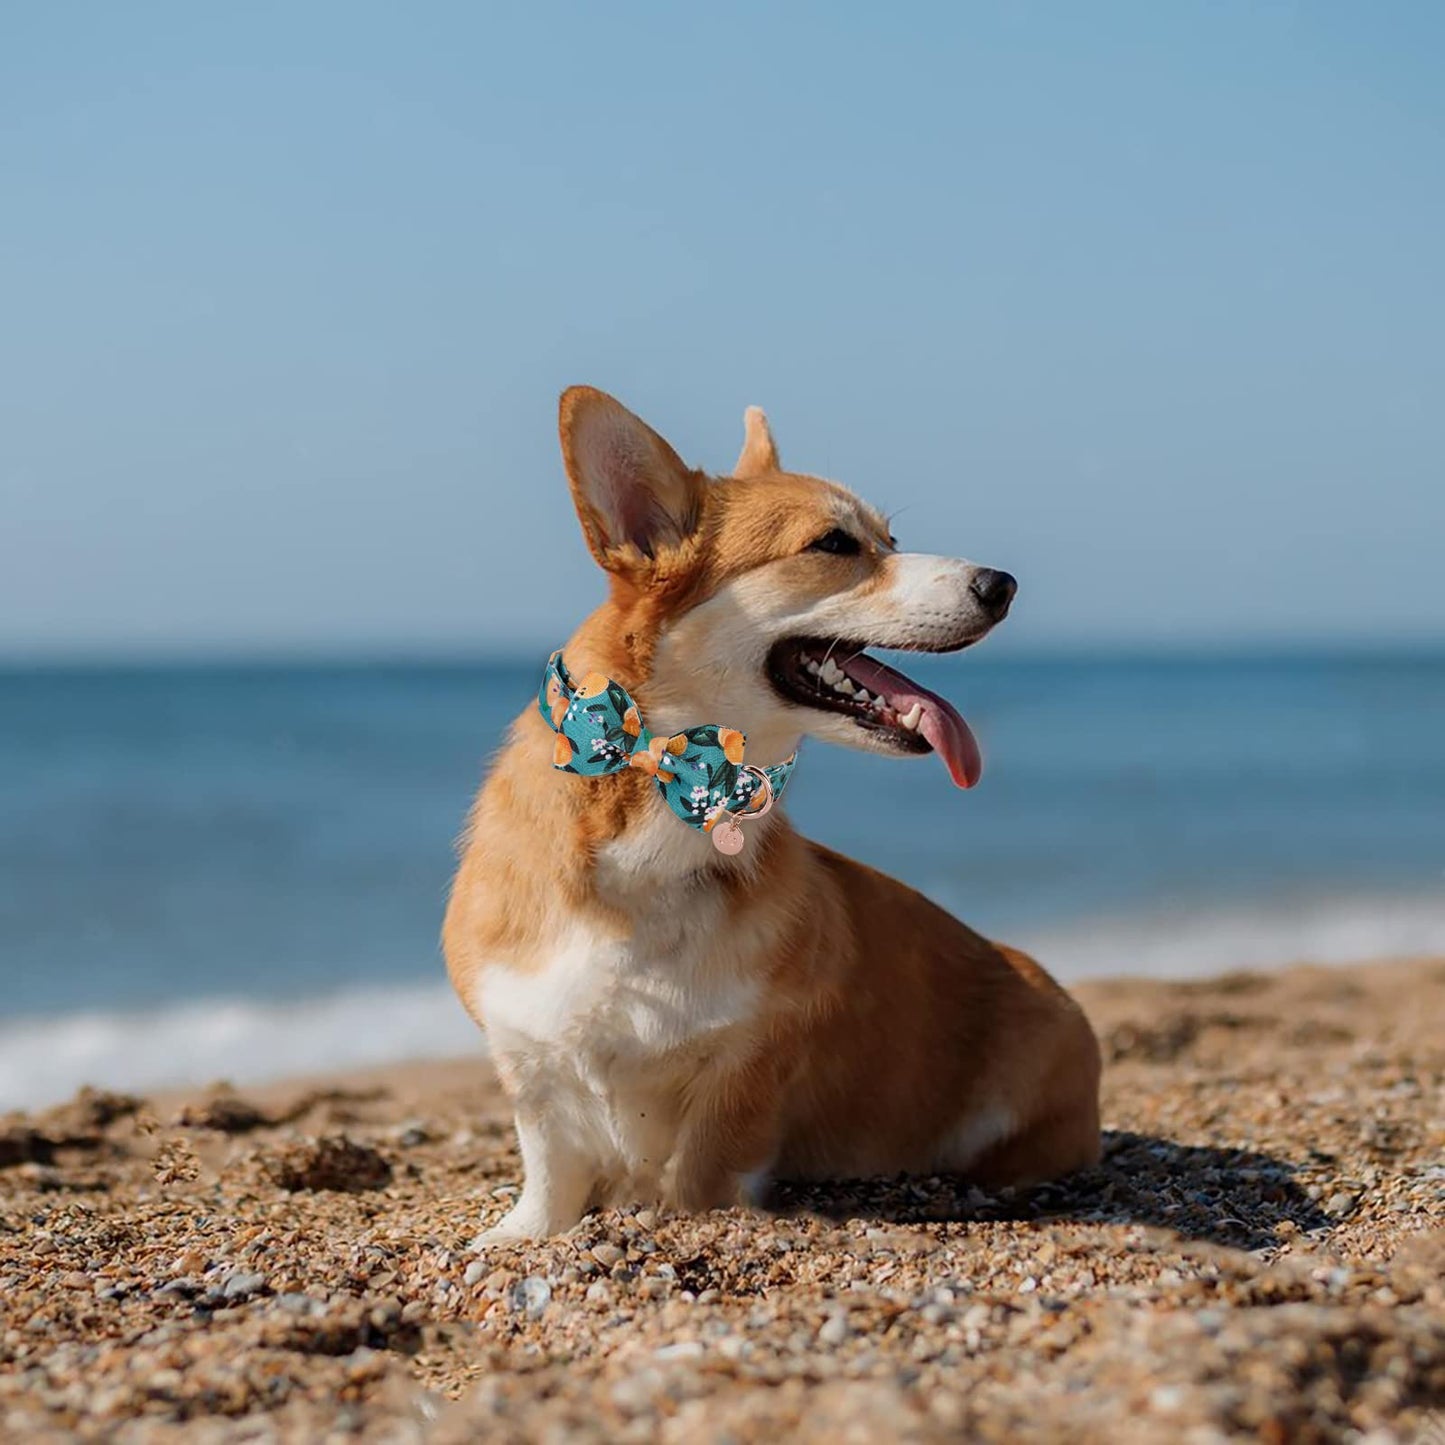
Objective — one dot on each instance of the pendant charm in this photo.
(727, 835)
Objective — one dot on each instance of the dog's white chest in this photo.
(604, 1036)
(605, 998)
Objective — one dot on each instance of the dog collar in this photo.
(700, 772)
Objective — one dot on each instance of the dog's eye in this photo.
(844, 544)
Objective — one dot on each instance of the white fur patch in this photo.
(656, 847)
(658, 852)
(600, 1045)
(970, 1139)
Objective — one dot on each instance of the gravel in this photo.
(1259, 1256)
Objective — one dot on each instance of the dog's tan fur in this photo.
(672, 1022)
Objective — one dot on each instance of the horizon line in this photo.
(382, 655)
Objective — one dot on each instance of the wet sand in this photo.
(1259, 1256)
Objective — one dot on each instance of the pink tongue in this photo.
(946, 732)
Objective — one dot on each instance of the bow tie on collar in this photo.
(700, 772)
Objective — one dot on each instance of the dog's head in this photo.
(749, 600)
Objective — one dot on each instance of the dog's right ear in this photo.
(634, 495)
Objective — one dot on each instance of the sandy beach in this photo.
(1259, 1256)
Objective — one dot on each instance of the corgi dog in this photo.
(676, 1023)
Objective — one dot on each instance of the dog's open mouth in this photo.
(840, 677)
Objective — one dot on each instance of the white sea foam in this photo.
(46, 1059)
(1187, 944)
(42, 1060)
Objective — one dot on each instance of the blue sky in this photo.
(1143, 302)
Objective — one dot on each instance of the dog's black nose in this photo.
(994, 589)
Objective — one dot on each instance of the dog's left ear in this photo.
(634, 495)
(759, 453)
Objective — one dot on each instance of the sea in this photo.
(239, 871)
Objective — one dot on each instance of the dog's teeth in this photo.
(813, 667)
(910, 719)
(863, 695)
(831, 671)
(845, 685)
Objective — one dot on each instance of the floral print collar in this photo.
(700, 772)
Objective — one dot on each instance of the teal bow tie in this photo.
(700, 772)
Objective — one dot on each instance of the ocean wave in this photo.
(46, 1059)
(1189, 943)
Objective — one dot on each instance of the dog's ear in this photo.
(759, 453)
(633, 494)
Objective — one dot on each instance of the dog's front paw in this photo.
(524, 1224)
(508, 1230)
